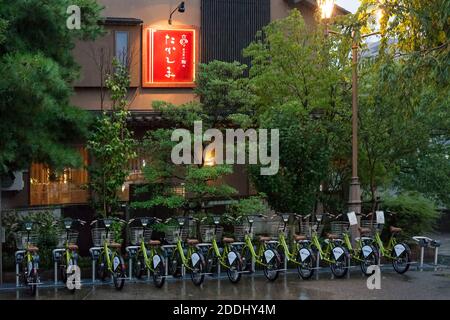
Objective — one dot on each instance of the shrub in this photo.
(415, 214)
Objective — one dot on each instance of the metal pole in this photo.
(355, 188)
(130, 268)
(17, 274)
(93, 271)
(436, 250)
(422, 252)
(1, 236)
(56, 272)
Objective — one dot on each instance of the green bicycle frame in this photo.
(356, 250)
(147, 260)
(291, 256)
(184, 258)
(324, 254)
(221, 257)
(385, 251)
(256, 255)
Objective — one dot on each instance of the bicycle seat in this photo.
(73, 247)
(264, 239)
(154, 242)
(33, 249)
(364, 230)
(228, 240)
(332, 236)
(298, 237)
(115, 245)
(395, 229)
(192, 242)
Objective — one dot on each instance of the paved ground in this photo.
(432, 285)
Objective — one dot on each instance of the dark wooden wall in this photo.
(229, 26)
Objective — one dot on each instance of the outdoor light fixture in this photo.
(209, 159)
(180, 8)
(326, 8)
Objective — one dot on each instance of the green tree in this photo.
(300, 79)
(37, 121)
(112, 146)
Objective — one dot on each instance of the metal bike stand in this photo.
(132, 251)
(435, 244)
(19, 256)
(94, 251)
(199, 247)
(166, 258)
(56, 254)
(317, 265)
(423, 243)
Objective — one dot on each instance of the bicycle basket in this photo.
(207, 233)
(137, 233)
(339, 227)
(173, 233)
(240, 231)
(21, 240)
(99, 236)
(307, 228)
(62, 237)
(372, 225)
(276, 227)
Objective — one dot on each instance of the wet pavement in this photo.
(432, 285)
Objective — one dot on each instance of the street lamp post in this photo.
(354, 202)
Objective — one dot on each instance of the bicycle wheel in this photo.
(118, 273)
(101, 267)
(368, 258)
(234, 267)
(401, 259)
(210, 261)
(175, 265)
(339, 267)
(271, 265)
(139, 266)
(32, 280)
(306, 260)
(247, 259)
(198, 266)
(159, 271)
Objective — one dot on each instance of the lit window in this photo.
(48, 187)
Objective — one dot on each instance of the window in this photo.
(121, 42)
(48, 187)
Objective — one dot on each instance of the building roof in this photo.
(118, 21)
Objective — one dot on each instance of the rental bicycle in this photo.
(262, 255)
(227, 256)
(332, 252)
(298, 253)
(397, 252)
(148, 259)
(181, 258)
(363, 252)
(69, 259)
(110, 261)
(27, 258)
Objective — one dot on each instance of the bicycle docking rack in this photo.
(57, 256)
(95, 253)
(168, 249)
(426, 242)
(132, 251)
(19, 256)
(201, 247)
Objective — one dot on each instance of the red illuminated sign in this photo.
(169, 57)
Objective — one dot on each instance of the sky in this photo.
(350, 5)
